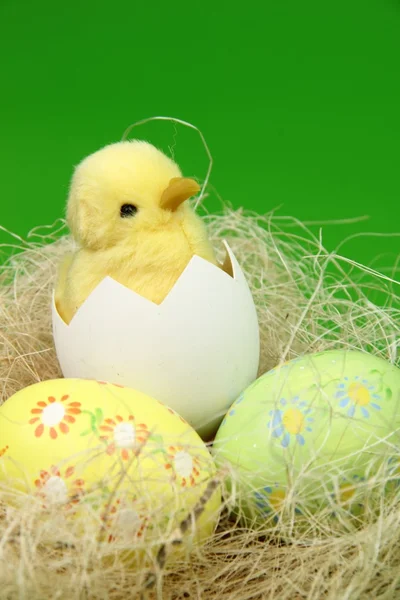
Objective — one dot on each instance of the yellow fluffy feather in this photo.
(127, 210)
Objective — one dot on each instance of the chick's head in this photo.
(125, 191)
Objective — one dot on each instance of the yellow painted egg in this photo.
(129, 466)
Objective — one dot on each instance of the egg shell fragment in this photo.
(196, 351)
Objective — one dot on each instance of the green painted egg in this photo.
(318, 431)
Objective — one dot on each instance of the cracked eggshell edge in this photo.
(196, 351)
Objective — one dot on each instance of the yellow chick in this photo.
(127, 211)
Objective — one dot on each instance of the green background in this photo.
(299, 102)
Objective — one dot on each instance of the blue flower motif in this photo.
(269, 501)
(232, 410)
(290, 421)
(347, 493)
(281, 367)
(223, 422)
(268, 504)
(358, 395)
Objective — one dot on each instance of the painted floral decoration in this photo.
(173, 412)
(59, 487)
(123, 436)
(124, 522)
(3, 451)
(232, 410)
(184, 467)
(291, 421)
(348, 489)
(269, 501)
(393, 474)
(117, 385)
(347, 496)
(54, 416)
(358, 396)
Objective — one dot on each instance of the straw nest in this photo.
(308, 300)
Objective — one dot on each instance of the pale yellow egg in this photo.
(117, 459)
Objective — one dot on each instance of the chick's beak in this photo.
(178, 190)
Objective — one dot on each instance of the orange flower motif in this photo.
(124, 523)
(123, 435)
(53, 487)
(54, 413)
(173, 412)
(118, 385)
(3, 451)
(185, 468)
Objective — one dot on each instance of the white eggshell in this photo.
(196, 351)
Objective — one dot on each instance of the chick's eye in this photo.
(128, 210)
